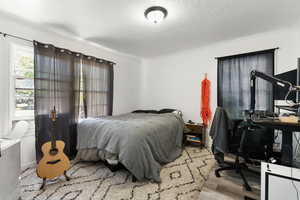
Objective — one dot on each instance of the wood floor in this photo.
(229, 187)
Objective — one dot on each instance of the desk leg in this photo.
(287, 148)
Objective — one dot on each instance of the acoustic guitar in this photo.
(54, 162)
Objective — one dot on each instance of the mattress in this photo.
(141, 142)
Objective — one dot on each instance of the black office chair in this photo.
(251, 143)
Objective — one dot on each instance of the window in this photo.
(81, 114)
(98, 87)
(234, 82)
(22, 81)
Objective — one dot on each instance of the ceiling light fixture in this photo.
(156, 14)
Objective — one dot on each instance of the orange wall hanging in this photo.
(205, 101)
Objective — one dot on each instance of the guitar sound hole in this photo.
(53, 162)
(53, 151)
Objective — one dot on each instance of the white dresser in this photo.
(10, 169)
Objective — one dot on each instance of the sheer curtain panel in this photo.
(234, 82)
(97, 87)
(55, 83)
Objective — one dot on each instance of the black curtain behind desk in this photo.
(234, 82)
(56, 78)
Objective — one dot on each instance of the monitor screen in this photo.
(279, 92)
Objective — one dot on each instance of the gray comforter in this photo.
(143, 142)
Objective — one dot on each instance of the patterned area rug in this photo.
(181, 179)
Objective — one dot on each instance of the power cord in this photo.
(296, 151)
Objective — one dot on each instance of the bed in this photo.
(141, 142)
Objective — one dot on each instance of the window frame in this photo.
(254, 53)
(13, 45)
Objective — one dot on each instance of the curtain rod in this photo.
(14, 36)
(249, 53)
(21, 38)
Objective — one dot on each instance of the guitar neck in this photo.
(53, 137)
(53, 131)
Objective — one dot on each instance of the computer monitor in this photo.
(290, 76)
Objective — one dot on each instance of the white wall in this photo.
(126, 74)
(173, 81)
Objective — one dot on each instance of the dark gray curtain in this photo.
(234, 82)
(97, 87)
(56, 78)
(77, 85)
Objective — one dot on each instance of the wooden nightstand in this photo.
(195, 134)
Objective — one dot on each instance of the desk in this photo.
(287, 136)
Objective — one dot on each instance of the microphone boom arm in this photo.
(275, 81)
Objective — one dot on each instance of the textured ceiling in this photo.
(120, 24)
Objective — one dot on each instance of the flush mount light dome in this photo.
(156, 14)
